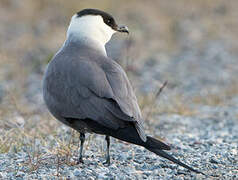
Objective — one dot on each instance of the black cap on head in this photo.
(107, 18)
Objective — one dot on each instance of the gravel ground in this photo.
(207, 142)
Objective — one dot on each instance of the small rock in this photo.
(213, 161)
(77, 172)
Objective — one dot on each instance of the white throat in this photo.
(90, 29)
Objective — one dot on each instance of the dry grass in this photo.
(176, 106)
(216, 99)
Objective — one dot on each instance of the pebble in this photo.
(77, 172)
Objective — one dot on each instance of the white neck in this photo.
(90, 29)
(88, 42)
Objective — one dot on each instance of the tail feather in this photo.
(131, 135)
(156, 144)
(157, 147)
(171, 158)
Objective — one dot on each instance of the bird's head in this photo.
(94, 24)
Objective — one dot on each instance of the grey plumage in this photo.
(90, 85)
(88, 91)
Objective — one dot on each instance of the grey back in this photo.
(80, 82)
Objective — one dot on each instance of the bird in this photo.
(90, 92)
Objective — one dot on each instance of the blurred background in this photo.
(191, 44)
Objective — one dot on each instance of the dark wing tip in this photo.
(154, 143)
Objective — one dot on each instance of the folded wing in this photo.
(109, 97)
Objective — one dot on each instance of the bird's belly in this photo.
(77, 124)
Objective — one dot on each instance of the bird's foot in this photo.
(80, 161)
(107, 162)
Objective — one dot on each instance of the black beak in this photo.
(123, 29)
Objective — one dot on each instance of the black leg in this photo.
(82, 139)
(107, 162)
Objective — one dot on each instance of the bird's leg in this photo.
(82, 139)
(107, 162)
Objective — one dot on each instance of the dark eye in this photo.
(109, 21)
